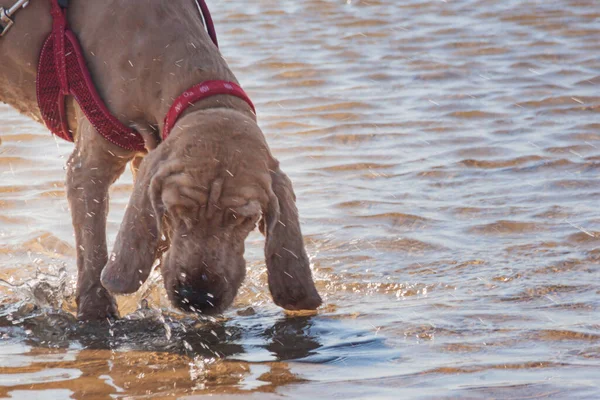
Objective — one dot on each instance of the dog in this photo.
(197, 194)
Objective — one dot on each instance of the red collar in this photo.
(200, 92)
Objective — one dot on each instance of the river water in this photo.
(446, 158)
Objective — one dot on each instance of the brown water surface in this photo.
(446, 158)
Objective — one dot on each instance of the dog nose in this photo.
(196, 300)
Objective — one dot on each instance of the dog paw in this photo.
(96, 305)
(296, 297)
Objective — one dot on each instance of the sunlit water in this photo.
(446, 158)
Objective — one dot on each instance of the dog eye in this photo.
(233, 218)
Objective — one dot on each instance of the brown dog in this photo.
(204, 188)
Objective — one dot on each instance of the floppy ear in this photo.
(288, 268)
(134, 251)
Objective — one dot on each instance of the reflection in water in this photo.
(291, 339)
(173, 354)
(179, 355)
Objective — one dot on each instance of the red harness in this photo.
(62, 71)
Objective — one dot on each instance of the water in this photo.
(446, 157)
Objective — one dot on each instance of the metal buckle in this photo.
(5, 21)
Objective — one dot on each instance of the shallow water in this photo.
(446, 157)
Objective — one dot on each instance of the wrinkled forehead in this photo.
(235, 195)
(227, 188)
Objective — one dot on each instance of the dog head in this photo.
(206, 188)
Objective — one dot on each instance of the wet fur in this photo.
(204, 188)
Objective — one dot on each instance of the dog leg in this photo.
(94, 165)
(135, 166)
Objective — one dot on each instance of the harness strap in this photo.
(62, 71)
(59, 27)
(210, 26)
(200, 92)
